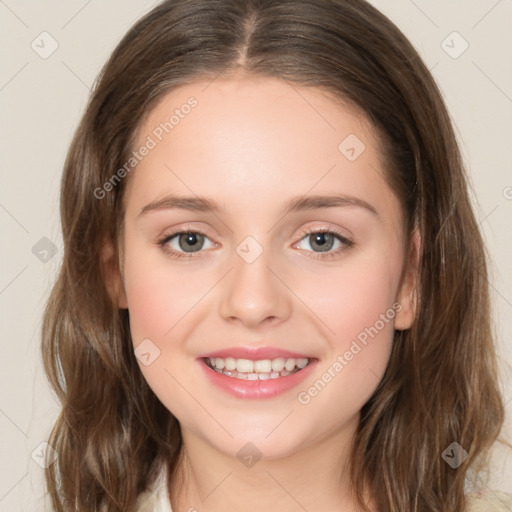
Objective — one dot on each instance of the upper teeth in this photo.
(260, 366)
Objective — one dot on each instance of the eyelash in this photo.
(347, 244)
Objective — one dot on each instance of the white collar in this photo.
(156, 497)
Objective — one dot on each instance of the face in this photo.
(265, 275)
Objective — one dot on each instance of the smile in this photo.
(256, 379)
(263, 369)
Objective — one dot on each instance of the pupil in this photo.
(320, 239)
(191, 239)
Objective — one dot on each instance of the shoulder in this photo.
(489, 501)
(156, 497)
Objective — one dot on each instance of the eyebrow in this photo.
(296, 204)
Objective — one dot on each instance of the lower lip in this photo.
(257, 388)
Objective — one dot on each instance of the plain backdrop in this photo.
(45, 81)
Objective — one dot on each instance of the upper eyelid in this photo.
(190, 229)
(305, 232)
(346, 244)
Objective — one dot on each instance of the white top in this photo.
(156, 499)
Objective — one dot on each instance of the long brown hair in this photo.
(440, 385)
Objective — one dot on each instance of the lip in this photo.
(254, 353)
(257, 389)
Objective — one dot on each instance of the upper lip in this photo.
(255, 353)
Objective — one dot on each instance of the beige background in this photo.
(41, 100)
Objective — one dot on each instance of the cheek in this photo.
(352, 298)
(157, 296)
(357, 307)
(157, 300)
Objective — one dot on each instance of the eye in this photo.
(183, 244)
(187, 243)
(323, 240)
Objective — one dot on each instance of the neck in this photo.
(313, 478)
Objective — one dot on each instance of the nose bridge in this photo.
(253, 293)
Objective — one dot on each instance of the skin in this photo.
(251, 144)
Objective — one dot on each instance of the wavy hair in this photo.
(441, 383)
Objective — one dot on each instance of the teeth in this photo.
(264, 366)
(301, 363)
(244, 365)
(263, 369)
(290, 364)
(278, 364)
(256, 376)
(230, 363)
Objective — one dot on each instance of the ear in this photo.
(407, 295)
(112, 275)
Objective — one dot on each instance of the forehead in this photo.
(255, 139)
(274, 107)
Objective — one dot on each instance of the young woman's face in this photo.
(248, 282)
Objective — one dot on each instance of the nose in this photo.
(254, 294)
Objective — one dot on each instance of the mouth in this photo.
(264, 376)
(261, 369)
